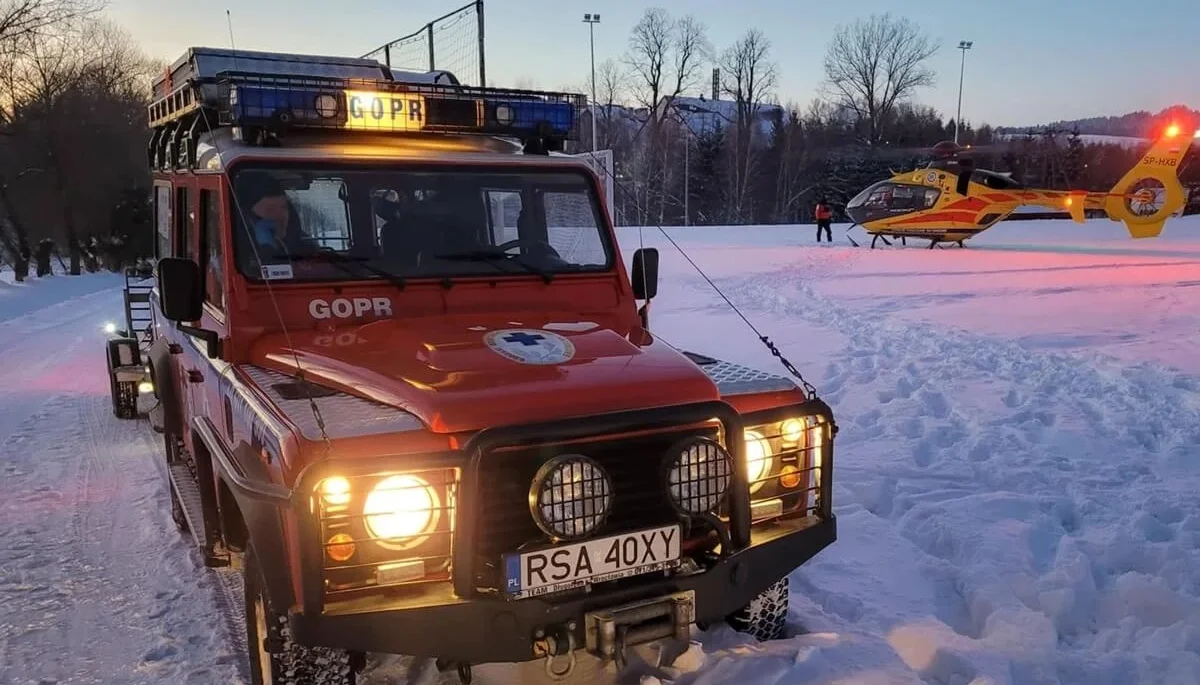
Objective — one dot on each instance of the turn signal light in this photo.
(789, 477)
(340, 547)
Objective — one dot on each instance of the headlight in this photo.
(698, 476)
(758, 459)
(335, 491)
(570, 496)
(399, 510)
(793, 431)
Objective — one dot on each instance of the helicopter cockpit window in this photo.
(906, 197)
(880, 198)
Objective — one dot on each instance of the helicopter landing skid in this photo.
(875, 238)
(879, 236)
(940, 246)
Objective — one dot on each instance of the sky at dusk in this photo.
(1032, 62)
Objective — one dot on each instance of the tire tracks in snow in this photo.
(69, 312)
(96, 585)
(27, 364)
(1038, 495)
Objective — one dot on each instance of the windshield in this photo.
(319, 224)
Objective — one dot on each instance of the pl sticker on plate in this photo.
(528, 346)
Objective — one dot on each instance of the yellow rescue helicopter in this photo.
(950, 200)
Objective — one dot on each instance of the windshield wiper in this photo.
(343, 262)
(497, 257)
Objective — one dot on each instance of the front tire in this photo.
(291, 664)
(765, 617)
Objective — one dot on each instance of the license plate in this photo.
(569, 567)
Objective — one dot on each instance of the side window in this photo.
(324, 213)
(904, 197)
(571, 227)
(210, 231)
(184, 225)
(162, 214)
(880, 197)
(504, 210)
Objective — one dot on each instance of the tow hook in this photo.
(560, 641)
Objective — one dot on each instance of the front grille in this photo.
(634, 463)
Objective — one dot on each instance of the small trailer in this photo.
(128, 374)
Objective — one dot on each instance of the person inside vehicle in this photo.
(274, 224)
(399, 233)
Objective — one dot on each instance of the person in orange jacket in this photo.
(824, 216)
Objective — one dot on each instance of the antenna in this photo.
(229, 23)
(312, 403)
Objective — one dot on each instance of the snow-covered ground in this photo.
(1017, 470)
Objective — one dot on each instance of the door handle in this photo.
(195, 376)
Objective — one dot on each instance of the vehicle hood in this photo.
(464, 376)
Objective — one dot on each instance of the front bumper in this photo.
(437, 623)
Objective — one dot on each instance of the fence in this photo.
(453, 42)
(601, 162)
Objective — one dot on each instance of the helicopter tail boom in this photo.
(1150, 192)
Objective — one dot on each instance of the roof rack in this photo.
(264, 97)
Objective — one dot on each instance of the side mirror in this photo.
(644, 275)
(179, 288)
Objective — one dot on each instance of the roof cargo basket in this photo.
(264, 97)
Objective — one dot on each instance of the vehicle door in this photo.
(163, 247)
(187, 351)
(207, 373)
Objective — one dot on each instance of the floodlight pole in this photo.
(591, 20)
(963, 45)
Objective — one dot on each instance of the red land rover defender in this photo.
(409, 396)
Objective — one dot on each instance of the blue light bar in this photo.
(559, 117)
(251, 104)
(388, 107)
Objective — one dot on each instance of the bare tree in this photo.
(23, 18)
(748, 76)
(611, 80)
(873, 64)
(78, 96)
(664, 57)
